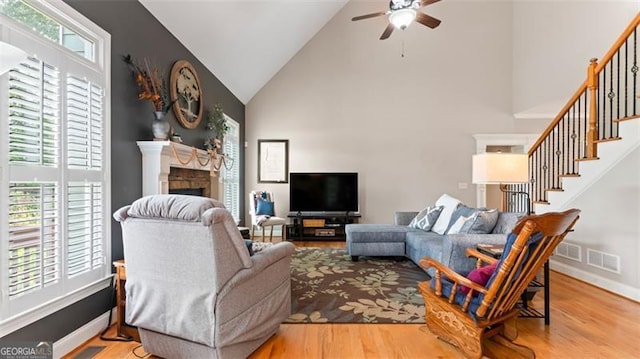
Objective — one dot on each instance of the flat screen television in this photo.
(323, 192)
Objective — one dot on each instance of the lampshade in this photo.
(402, 18)
(497, 168)
(10, 56)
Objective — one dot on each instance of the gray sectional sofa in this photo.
(401, 240)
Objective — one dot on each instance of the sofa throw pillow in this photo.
(426, 218)
(481, 222)
(461, 211)
(450, 204)
(265, 208)
(479, 275)
(506, 222)
(459, 224)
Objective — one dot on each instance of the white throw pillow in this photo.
(458, 225)
(450, 204)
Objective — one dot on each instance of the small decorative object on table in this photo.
(176, 138)
(153, 87)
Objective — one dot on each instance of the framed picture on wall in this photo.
(273, 161)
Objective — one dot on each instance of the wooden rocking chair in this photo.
(468, 320)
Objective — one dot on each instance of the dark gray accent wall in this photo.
(133, 31)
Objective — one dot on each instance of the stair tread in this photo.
(610, 139)
(554, 190)
(587, 159)
(570, 175)
(627, 118)
(541, 202)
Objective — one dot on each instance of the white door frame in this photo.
(526, 140)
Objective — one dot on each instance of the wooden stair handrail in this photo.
(618, 44)
(558, 117)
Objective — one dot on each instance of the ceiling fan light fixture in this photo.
(402, 18)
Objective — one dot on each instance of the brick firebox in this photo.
(189, 179)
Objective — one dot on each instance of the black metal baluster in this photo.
(547, 161)
(550, 183)
(603, 90)
(634, 69)
(612, 96)
(583, 139)
(565, 143)
(626, 78)
(556, 170)
(565, 147)
(532, 173)
(574, 136)
(539, 170)
(618, 88)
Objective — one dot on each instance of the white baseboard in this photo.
(78, 337)
(596, 280)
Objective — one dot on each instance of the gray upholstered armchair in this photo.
(192, 288)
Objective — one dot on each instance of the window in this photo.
(47, 26)
(231, 170)
(54, 160)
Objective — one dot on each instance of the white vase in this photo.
(160, 127)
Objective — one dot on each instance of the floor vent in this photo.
(89, 352)
(606, 261)
(569, 251)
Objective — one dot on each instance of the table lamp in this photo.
(502, 169)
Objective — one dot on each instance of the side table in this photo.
(123, 329)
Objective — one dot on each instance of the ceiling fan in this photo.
(402, 13)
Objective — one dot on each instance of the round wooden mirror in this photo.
(186, 94)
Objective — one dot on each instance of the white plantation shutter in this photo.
(231, 176)
(54, 171)
(84, 124)
(34, 92)
(84, 227)
(34, 251)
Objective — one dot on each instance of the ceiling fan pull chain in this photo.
(402, 55)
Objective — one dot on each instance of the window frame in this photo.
(14, 315)
(236, 166)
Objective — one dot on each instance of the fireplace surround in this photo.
(168, 166)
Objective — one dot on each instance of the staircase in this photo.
(593, 131)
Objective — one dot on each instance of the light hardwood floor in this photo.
(586, 322)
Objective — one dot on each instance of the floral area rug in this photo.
(327, 287)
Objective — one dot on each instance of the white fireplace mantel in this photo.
(158, 157)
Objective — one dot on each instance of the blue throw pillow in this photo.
(265, 208)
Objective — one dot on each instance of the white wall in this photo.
(553, 42)
(609, 223)
(349, 102)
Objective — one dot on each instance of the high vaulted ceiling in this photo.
(244, 43)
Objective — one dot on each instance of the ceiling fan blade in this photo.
(368, 16)
(427, 20)
(387, 32)
(428, 2)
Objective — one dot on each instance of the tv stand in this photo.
(319, 226)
